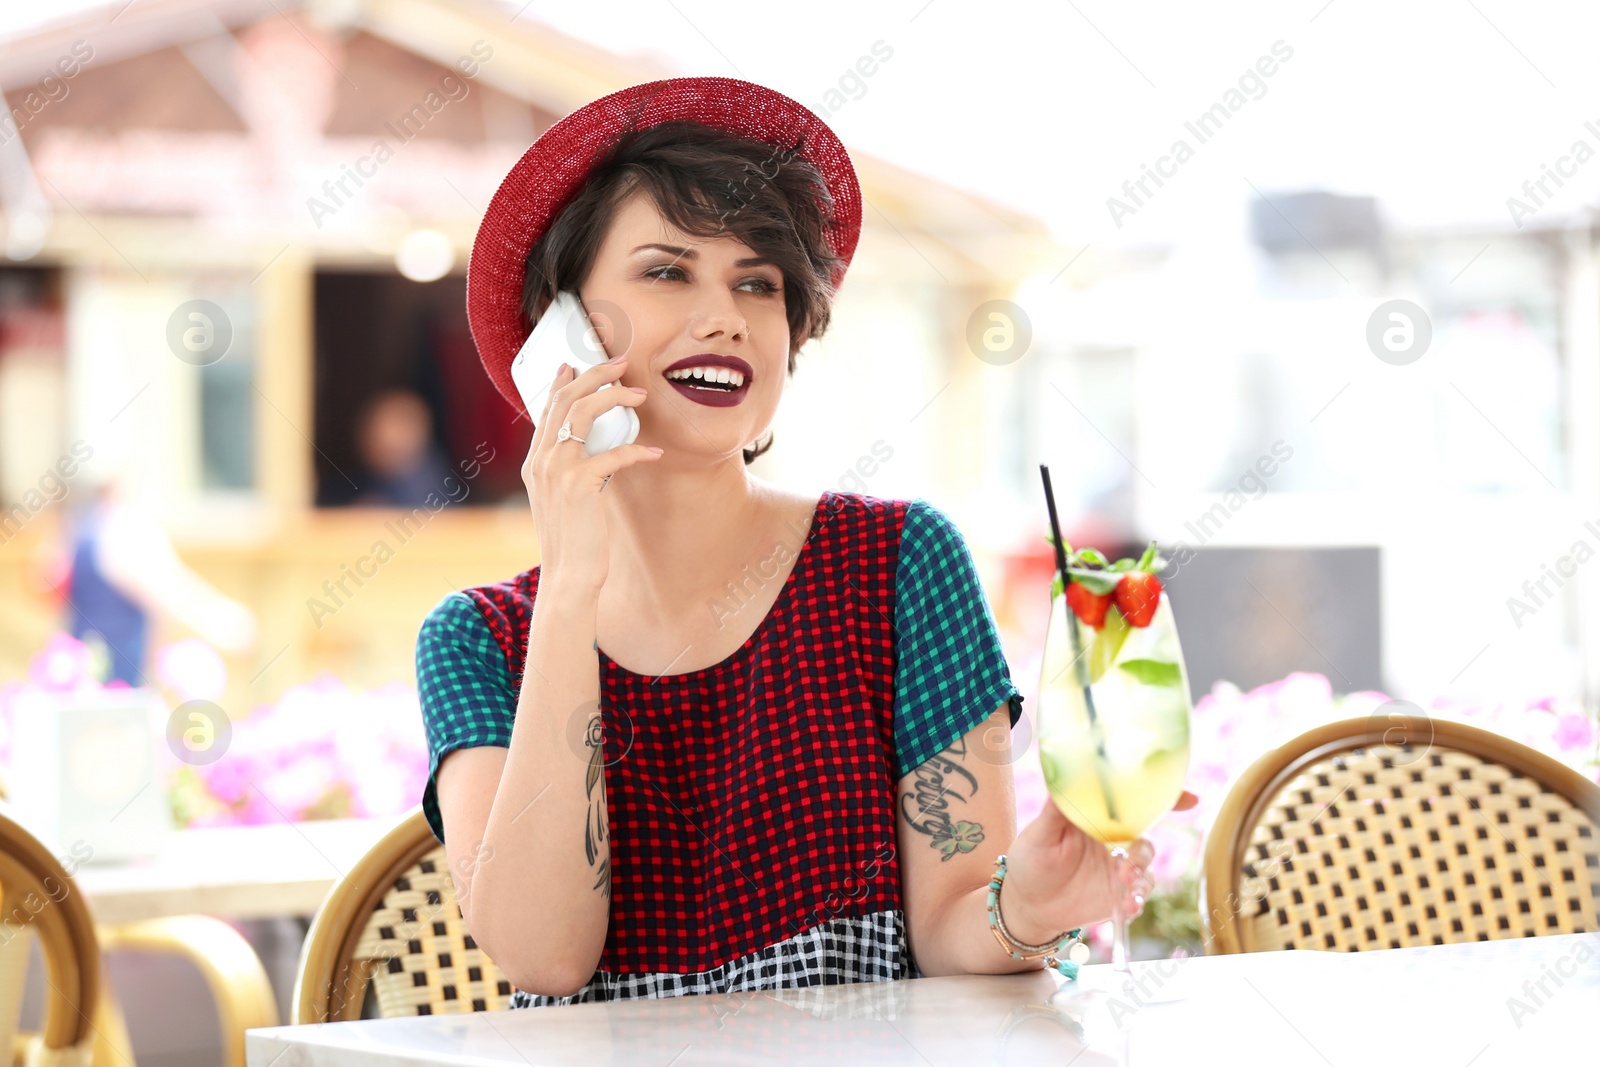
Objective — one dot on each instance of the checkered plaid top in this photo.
(752, 803)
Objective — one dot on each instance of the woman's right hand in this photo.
(564, 481)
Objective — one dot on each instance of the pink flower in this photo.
(213, 817)
(1177, 848)
(228, 779)
(293, 787)
(1573, 732)
(257, 810)
(1030, 788)
(63, 664)
(193, 669)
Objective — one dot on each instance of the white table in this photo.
(1444, 1005)
(233, 872)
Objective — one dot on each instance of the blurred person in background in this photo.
(123, 570)
(404, 466)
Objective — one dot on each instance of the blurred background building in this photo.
(1316, 312)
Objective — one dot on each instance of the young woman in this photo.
(726, 735)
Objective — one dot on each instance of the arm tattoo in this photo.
(926, 806)
(594, 821)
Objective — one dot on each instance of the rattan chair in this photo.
(237, 980)
(392, 924)
(38, 896)
(1341, 841)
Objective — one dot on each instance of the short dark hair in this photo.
(708, 183)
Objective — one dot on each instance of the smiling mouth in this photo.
(710, 387)
(709, 380)
(710, 392)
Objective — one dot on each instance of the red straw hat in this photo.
(555, 167)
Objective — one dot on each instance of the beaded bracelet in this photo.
(1069, 944)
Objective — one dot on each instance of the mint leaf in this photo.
(1050, 539)
(1100, 582)
(1153, 671)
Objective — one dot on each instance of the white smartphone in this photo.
(564, 334)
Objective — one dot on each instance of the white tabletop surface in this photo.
(233, 872)
(1445, 1005)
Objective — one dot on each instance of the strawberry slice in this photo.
(1087, 606)
(1137, 596)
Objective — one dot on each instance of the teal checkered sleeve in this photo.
(950, 671)
(464, 687)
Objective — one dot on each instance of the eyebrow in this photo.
(689, 253)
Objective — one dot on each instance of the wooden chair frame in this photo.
(66, 934)
(232, 971)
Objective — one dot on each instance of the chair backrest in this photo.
(37, 894)
(393, 923)
(1342, 840)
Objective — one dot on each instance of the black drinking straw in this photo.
(1055, 526)
(1077, 648)
(1061, 567)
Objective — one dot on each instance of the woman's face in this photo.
(670, 300)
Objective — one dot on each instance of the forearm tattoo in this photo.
(940, 781)
(594, 823)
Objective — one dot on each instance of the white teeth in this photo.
(710, 374)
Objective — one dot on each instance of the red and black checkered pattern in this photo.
(752, 800)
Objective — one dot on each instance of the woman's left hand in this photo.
(1059, 878)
